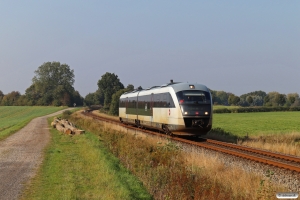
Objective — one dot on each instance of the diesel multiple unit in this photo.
(175, 108)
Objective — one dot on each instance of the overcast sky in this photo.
(235, 46)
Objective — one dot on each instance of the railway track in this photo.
(283, 161)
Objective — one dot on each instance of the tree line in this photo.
(53, 83)
(256, 98)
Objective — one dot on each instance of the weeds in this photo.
(163, 167)
(266, 191)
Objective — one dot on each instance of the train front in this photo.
(196, 107)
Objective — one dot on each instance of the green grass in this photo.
(81, 167)
(254, 124)
(13, 118)
(216, 107)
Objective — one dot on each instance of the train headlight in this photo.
(206, 113)
(185, 113)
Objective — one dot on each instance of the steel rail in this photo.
(210, 144)
(258, 151)
(244, 155)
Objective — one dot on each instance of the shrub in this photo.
(66, 114)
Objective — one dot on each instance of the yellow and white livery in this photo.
(175, 108)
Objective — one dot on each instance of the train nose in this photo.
(198, 122)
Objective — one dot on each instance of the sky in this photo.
(234, 46)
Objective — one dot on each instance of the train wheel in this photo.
(166, 130)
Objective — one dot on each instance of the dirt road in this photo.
(21, 155)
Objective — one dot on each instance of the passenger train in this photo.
(174, 108)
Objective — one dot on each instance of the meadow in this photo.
(274, 131)
(254, 124)
(13, 118)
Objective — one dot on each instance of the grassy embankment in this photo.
(81, 167)
(13, 118)
(169, 173)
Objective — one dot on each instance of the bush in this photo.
(66, 114)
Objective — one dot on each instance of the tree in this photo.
(267, 101)
(130, 87)
(292, 97)
(249, 99)
(11, 99)
(274, 99)
(257, 100)
(114, 106)
(109, 84)
(52, 85)
(233, 100)
(280, 99)
(1, 96)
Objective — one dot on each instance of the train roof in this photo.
(177, 86)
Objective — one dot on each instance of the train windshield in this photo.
(193, 96)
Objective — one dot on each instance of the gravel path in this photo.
(21, 155)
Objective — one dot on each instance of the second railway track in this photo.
(283, 161)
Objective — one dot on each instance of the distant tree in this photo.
(1, 96)
(22, 101)
(274, 99)
(11, 99)
(89, 99)
(292, 97)
(109, 84)
(280, 99)
(114, 106)
(257, 100)
(95, 98)
(52, 85)
(223, 97)
(267, 101)
(99, 97)
(255, 93)
(249, 99)
(130, 87)
(257, 96)
(233, 100)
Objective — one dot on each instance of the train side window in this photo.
(157, 99)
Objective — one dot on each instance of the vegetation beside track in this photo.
(81, 167)
(13, 118)
(274, 131)
(165, 170)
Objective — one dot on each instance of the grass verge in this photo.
(81, 167)
(169, 173)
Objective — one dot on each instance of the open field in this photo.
(81, 167)
(258, 123)
(274, 131)
(13, 118)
